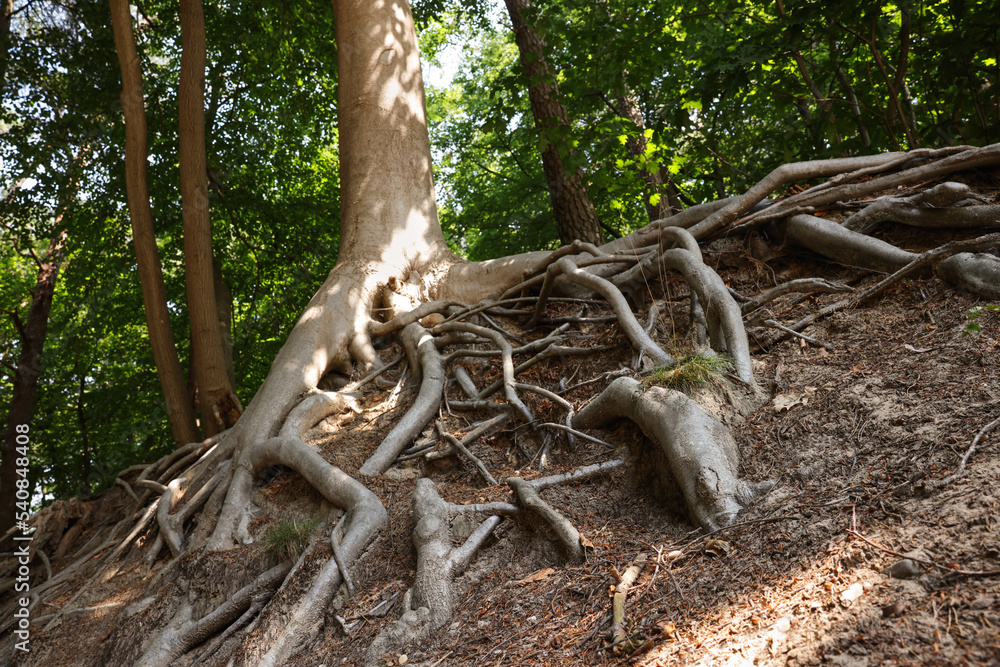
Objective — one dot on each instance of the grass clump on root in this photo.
(694, 371)
(288, 538)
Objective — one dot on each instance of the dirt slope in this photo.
(854, 437)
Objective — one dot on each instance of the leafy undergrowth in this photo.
(854, 435)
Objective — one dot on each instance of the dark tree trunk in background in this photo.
(154, 293)
(654, 181)
(22, 404)
(574, 212)
(216, 398)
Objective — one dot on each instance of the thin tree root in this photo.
(937, 484)
(800, 286)
(183, 633)
(569, 536)
(957, 158)
(808, 339)
(528, 496)
(457, 444)
(506, 355)
(629, 324)
(484, 429)
(942, 254)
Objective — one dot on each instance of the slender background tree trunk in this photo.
(215, 395)
(154, 293)
(575, 215)
(22, 403)
(654, 181)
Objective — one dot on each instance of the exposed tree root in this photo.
(437, 306)
(183, 633)
(428, 605)
(424, 408)
(527, 495)
(978, 272)
(702, 455)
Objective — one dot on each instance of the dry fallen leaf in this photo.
(783, 402)
(537, 576)
(853, 592)
(718, 547)
(585, 543)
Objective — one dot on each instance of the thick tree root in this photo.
(428, 604)
(183, 633)
(949, 252)
(423, 409)
(702, 454)
(839, 188)
(978, 273)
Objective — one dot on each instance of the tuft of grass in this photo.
(692, 372)
(289, 538)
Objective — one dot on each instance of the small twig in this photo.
(377, 611)
(579, 434)
(929, 563)
(680, 591)
(817, 343)
(961, 464)
(442, 659)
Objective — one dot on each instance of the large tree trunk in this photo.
(215, 395)
(154, 293)
(575, 215)
(6, 11)
(22, 403)
(389, 228)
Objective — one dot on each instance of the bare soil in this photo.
(802, 578)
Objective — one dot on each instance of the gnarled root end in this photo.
(702, 454)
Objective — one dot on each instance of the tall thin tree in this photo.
(154, 293)
(574, 212)
(216, 397)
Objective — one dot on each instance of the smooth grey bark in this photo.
(428, 605)
(424, 407)
(976, 272)
(832, 240)
(702, 455)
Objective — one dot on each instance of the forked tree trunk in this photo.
(574, 212)
(154, 293)
(22, 402)
(215, 395)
